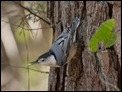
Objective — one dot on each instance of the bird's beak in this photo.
(34, 62)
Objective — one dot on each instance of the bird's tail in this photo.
(73, 27)
(74, 24)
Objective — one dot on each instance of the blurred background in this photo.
(24, 37)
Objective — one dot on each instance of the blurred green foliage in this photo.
(21, 34)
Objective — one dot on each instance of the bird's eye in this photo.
(42, 59)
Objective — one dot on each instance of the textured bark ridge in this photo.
(84, 72)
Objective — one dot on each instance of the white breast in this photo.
(50, 61)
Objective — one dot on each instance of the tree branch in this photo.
(22, 67)
(33, 13)
(27, 28)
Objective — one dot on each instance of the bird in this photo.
(59, 52)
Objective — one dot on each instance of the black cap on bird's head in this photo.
(42, 58)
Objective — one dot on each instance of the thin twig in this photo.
(33, 13)
(22, 67)
(26, 28)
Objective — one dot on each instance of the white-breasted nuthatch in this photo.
(59, 51)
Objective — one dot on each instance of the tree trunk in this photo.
(82, 72)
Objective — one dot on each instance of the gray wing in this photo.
(61, 45)
(64, 40)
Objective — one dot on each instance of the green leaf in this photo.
(103, 34)
(112, 40)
